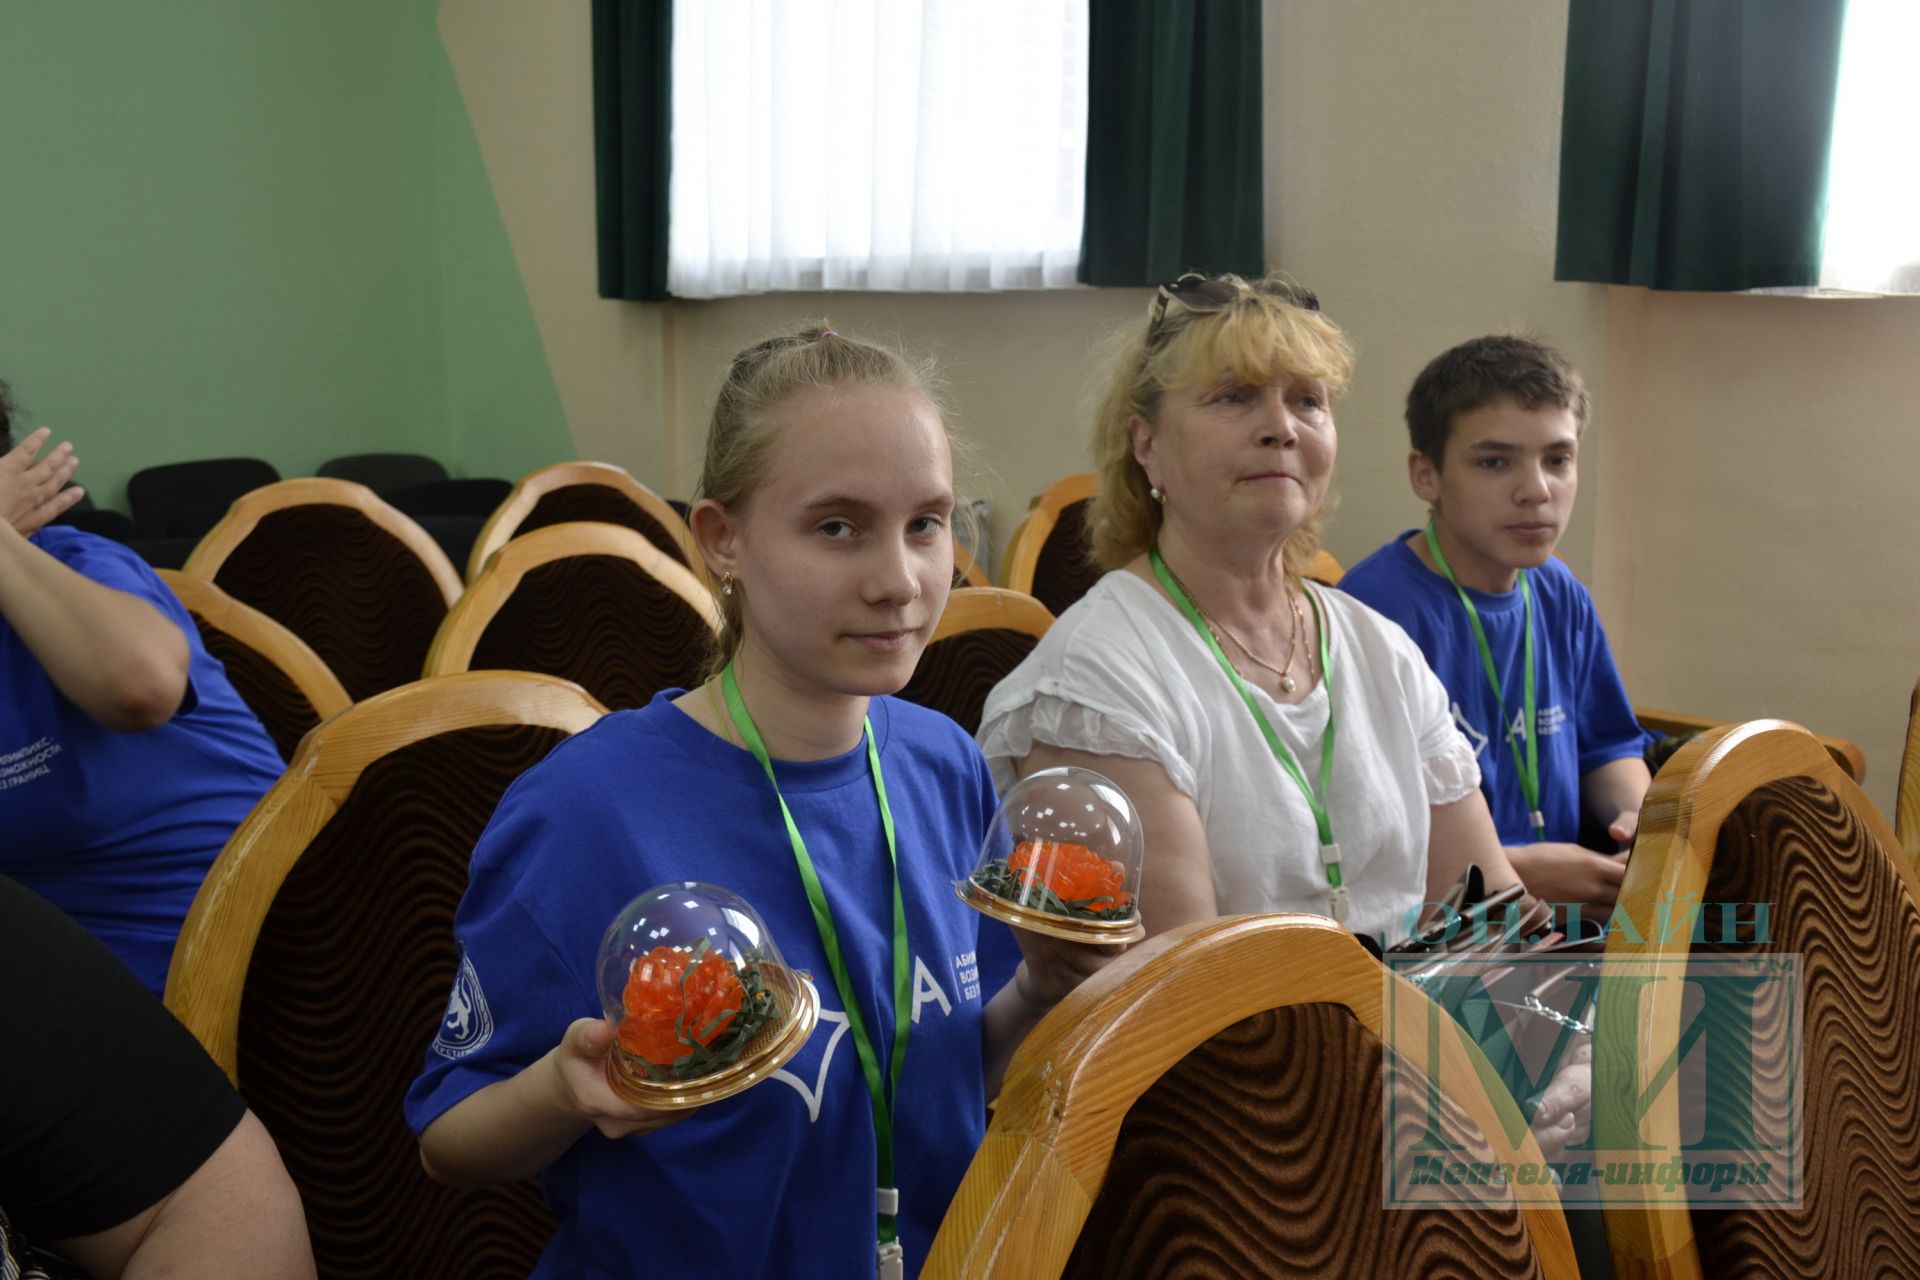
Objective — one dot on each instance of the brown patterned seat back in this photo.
(602, 504)
(1906, 811)
(1065, 570)
(602, 622)
(1839, 902)
(1213, 1103)
(267, 690)
(957, 673)
(1259, 1154)
(345, 991)
(355, 593)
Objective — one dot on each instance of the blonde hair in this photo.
(767, 374)
(1262, 335)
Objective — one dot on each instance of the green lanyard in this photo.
(1329, 850)
(883, 1097)
(1528, 767)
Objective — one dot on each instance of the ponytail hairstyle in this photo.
(740, 437)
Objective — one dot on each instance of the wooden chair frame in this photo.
(1672, 859)
(968, 569)
(1031, 534)
(1325, 568)
(285, 650)
(1013, 543)
(500, 527)
(453, 646)
(1906, 811)
(1845, 754)
(982, 608)
(1023, 558)
(210, 960)
(248, 510)
(1073, 1079)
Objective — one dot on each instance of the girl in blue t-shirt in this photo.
(825, 517)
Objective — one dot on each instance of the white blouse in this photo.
(1123, 673)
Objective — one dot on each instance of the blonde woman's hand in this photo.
(1052, 967)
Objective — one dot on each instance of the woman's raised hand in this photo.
(33, 487)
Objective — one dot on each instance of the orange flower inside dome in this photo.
(1073, 872)
(652, 1000)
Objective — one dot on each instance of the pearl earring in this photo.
(1156, 495)
(726, 584)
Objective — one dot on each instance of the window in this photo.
(1872, 232)
(876, 144)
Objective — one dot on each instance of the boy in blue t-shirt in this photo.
(1495, 426)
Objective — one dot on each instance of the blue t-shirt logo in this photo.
(926, 991)
(817, 1093)
(1472, 734)
(18, 768)
(468, 1023)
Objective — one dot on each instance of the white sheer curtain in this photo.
(876, 144)
(1872, 233)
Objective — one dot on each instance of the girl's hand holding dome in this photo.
(699, 999)
(581, 1084)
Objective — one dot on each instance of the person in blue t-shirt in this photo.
(1496, 426)
(126, 757)
(825, 515)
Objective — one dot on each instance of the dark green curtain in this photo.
(632, 122)
(1694, 141)
(1174, 177)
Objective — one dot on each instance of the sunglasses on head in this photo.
(1201, 294)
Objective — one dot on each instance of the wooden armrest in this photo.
(1845, 753)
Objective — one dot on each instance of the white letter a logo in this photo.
(926, 990)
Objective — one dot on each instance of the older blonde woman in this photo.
(1287, 747)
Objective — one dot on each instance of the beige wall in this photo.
(526, 75)
(1771, 526)
(1739, 521)
(1412, 174)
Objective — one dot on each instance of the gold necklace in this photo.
(1287, 683)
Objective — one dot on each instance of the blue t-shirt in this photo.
(118, 829)
(1585, 719)
(777, 1181)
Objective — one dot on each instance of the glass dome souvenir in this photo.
(701, 1003)
(1062, 857)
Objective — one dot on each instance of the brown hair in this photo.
(766, 374)
(1262, 335)
(8, 408)
(1481, 371)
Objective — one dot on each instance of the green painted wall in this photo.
(255, 228)
(503, 408)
